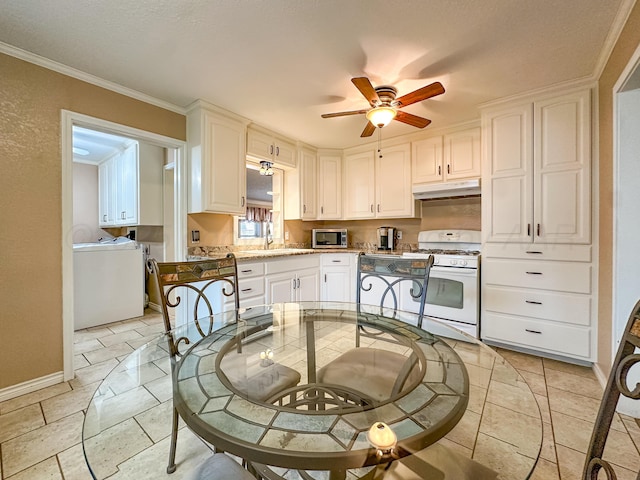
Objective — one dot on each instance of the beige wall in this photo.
(622, 52)
(31, 99)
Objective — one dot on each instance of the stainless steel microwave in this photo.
(329, 238)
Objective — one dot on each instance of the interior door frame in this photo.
(70, 119)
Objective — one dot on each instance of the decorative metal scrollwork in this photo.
(622, 374)
(594, 467)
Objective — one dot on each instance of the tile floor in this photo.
(40, 433)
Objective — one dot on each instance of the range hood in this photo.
(463, 188)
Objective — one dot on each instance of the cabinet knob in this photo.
(448, 168)
(534, 273)
(528, 229)
(270, 149)
(533, 331)
(277, 151)
(242, 201)
(439, 170)
(533, 302)
(538, 230)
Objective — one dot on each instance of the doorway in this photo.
(174, 176)
(626, 229)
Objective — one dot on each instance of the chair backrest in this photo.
(196, 287)
(386, 275)
(616, 385)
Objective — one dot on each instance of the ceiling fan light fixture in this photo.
(381, 116)
(265, 168)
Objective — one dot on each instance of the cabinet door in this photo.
(336, 284)
(107, 193)
(259, 145)
(308, 285)
(224, 155)
(127, 186)
(284, 153)
(562, 166)
(308, 184)
(359, 181)
(393, 183)
(462, 154)
(507, 175)
(427, 161)
(280, 288)
(330, 187)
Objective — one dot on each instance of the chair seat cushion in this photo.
(255, 381)
(372, 371)
(220, 467)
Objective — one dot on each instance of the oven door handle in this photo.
(455, 271)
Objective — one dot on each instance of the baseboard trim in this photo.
(155, 307)
(600, 375)
(31, 386)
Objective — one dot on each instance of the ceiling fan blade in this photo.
(421, 94)
(343, 114)
(412, 120)
(364, 85)
(368, 130)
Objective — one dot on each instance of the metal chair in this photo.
(616, 385)
(198, 289)
(381, 373)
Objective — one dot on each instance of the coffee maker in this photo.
(386, 238)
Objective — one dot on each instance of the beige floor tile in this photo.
(38, 445)
(503, 457)
(543, 404)
(67, 403)
(548, 450)
(33, 397)
(589, 387)
(80, 362)
(161, 388)
(571, 432)
(93, 373)
(156, 422)
(120, 327)
(138, 342)
(46, 470)
(579, 406)
(73, 464)
(523, 361)
(477, 397)
(510, 396)
(84, 335)
(570, 463)
(565, 367)
(536, 382)
(132, 378)
(466, 431)
(117, 444)
(545, 470)
(149, 330)
(116, 338)
(17, 422)
(107, 353)
(479, 376)
(88, 346)
(522, 431)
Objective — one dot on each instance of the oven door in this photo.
(452, 295)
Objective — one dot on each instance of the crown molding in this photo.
(86, 77)
(619, 22)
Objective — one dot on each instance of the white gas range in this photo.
(453, 295)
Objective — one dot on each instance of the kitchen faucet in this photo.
(267, 242)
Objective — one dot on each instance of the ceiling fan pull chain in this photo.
(379, 142)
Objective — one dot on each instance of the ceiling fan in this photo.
(386, 107)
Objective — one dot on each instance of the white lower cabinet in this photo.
(338, 277)
(540, 303)
(294, 279)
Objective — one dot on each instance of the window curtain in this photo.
(258, 214)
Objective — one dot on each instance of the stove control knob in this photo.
(453, 261)
(463, 263)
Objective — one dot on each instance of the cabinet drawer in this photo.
(336, 259)
(536, 251)
(292, 264)
(556, 307)
(250, 270)
(557, 276)
(250, 287)
(536, 334)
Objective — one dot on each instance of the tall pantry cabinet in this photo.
(537, 270)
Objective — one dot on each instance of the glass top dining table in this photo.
(359, 371)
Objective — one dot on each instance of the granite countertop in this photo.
(243, 255)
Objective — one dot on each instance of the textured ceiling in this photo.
(281, 63)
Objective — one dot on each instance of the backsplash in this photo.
(216, 231)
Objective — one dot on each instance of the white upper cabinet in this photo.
(329, 185)
(131, 187)
(217, 161)
(379, 187)
(537, 171)
(454, 156)
(267, 146)
(301, 187)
